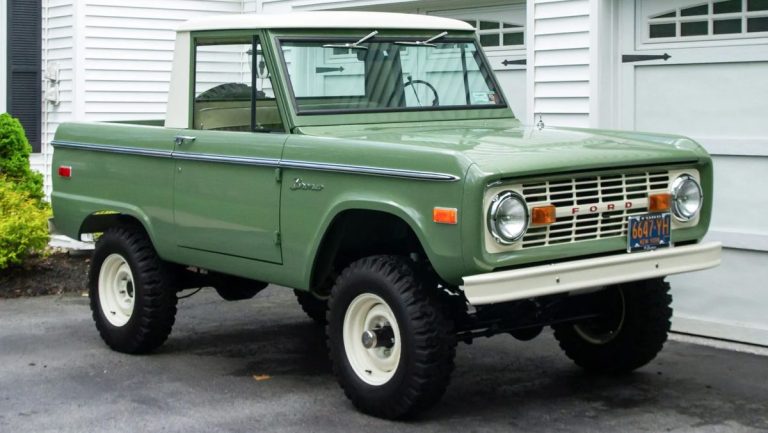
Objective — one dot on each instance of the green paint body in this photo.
(247, 220)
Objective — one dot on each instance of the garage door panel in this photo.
(739, 207)
(512, 83)
(703, 100)
(731, 311)
(713, 89)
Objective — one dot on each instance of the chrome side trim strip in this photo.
(371, 171)
(112, 149)
(240, 160)
(263, 162)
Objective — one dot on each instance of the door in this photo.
(501, 31)
(700, 68)
(227, 195)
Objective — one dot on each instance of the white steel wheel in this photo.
(371, 339)
(117, 292)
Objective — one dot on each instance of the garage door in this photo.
(501, 31)
(700, 68)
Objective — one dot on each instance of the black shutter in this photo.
(24, 66)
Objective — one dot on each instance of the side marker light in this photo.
(445, 215)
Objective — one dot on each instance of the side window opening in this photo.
(233, 87)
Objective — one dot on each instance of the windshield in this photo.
(392, 75)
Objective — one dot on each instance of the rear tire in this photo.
(407, 367)
(132, 302)
(630, 334)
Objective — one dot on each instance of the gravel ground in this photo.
(260, 365)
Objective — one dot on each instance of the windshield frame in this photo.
(280, 39)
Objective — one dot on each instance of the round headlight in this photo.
(508, 217)
(686, 197)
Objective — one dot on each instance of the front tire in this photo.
(629, 334)
(132, 302)
(391, 347)
(314, 307)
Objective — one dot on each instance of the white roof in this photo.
(324, 20)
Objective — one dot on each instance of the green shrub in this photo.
(14, 159)
(23, 224)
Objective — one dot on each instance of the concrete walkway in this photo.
(57, 376)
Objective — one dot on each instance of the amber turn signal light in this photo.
(543, 215)
(445, 215)
(659, 202)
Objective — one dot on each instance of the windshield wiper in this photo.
(355, 45)
(427, 43)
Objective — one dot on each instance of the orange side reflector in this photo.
(543, 215)
(659, 202)
(445, 215)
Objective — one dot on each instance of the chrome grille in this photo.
(584, 192)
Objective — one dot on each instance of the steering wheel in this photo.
(411, 82)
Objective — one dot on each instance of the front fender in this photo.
(411, 201)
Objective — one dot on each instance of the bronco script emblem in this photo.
(300, 184)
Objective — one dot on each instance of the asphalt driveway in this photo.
(260, 366)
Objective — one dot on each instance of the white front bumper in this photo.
(577, 275)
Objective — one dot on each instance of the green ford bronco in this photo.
(370, 162)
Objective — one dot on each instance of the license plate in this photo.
(649, 231)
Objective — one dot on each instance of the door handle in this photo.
(183, 139)
(631, 58)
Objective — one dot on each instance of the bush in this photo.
(14, 159)
(23, 224)
(23, 213)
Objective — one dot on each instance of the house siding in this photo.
(114, 59)
(58, 40)
(128, 52)
(559, 62)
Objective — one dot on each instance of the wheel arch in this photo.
(100, 221)
(359, 230)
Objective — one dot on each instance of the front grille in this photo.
(584, 192)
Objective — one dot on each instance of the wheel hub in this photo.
(378, 337)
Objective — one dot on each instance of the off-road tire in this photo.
(640, 337)
(428, 344)
(316, 308)
(154, 308)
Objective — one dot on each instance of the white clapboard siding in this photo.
(57, 44)
(128, 51)
(114, 59)
(560, 56)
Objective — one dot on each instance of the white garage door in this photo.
(700, 68)
(501, 30)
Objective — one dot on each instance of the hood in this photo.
(503, 147)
